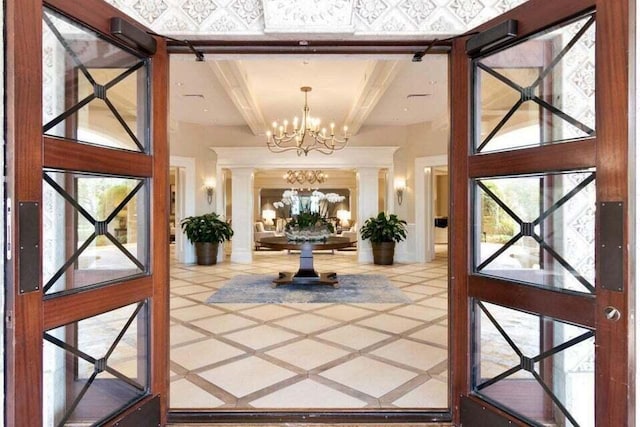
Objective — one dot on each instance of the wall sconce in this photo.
(400, 184)
(209, 186)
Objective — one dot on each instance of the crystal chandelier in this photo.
(302, 176)
(305, 135)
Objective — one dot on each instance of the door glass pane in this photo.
(536, 367)
(93, 91)
(538, 92)
(95, 367)
(537, 229)
(95, 230)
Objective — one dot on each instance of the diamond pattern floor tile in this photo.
(307, 394)
(412, 354)
(369, 376)
(307, 354)
(260, 336)
(354, 356)
(354, 336)
(185, 394)
(193, 356)
(246, 376)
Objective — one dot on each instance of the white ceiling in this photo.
(352, 90)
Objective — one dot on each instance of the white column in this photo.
(220, 205)
(242, 215)
(367, 181)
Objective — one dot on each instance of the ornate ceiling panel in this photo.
(356, 18)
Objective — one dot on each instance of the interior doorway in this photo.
(308, 355)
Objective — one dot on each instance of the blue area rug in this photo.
(354, 288)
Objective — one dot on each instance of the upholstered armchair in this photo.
(352, 234)
(259, 232)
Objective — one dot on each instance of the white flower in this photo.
(288, 196)
(333, 197)
(278, 205)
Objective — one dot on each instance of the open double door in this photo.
(539, 219)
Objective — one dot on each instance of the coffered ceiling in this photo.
(255, 90)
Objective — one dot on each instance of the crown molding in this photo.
(262, 158)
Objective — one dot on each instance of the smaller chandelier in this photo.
(305, 135)
(305, 176)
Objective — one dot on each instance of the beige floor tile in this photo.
(194, 312)
(354, 336)
(413, 354)
(419, 312)
(184, 394)
(307, 394)
(389, 323)
(437, 334)
(348, 329)
(178, 302)
(369, 376)
(306, 323)
(344, 312)
(422, 289)
(307, 354)
(437, 302)
(202, 297)
(246, 376)
(432, 394)
(269, 312)
(179, 334)
(203, 353)
(188, 290)
(224, 323)
(261, 336)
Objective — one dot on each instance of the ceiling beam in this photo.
(232, 78)
(379, 77)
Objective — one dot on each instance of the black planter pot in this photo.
(383, 252)
(206, 253)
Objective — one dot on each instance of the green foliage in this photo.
(497, 225)
(307, 220)
(206, 228)
(384, 228)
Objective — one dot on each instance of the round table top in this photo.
(333, 242)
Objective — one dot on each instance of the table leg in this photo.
(306, 262)
(306, 272)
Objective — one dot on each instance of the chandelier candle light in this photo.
(305, 135)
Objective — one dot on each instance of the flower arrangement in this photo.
(308, 215)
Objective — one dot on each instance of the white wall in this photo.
(192, 141)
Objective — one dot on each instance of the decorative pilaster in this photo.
(242, 215)
(367, 181)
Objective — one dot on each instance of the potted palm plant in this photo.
(384, 232)
(206, 232)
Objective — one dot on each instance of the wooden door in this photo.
(540, 228)
(87, 166)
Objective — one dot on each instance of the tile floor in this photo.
(309, 356)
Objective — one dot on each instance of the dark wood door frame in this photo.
(608, 152)
(28, 152)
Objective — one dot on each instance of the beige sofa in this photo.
(259, 232)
